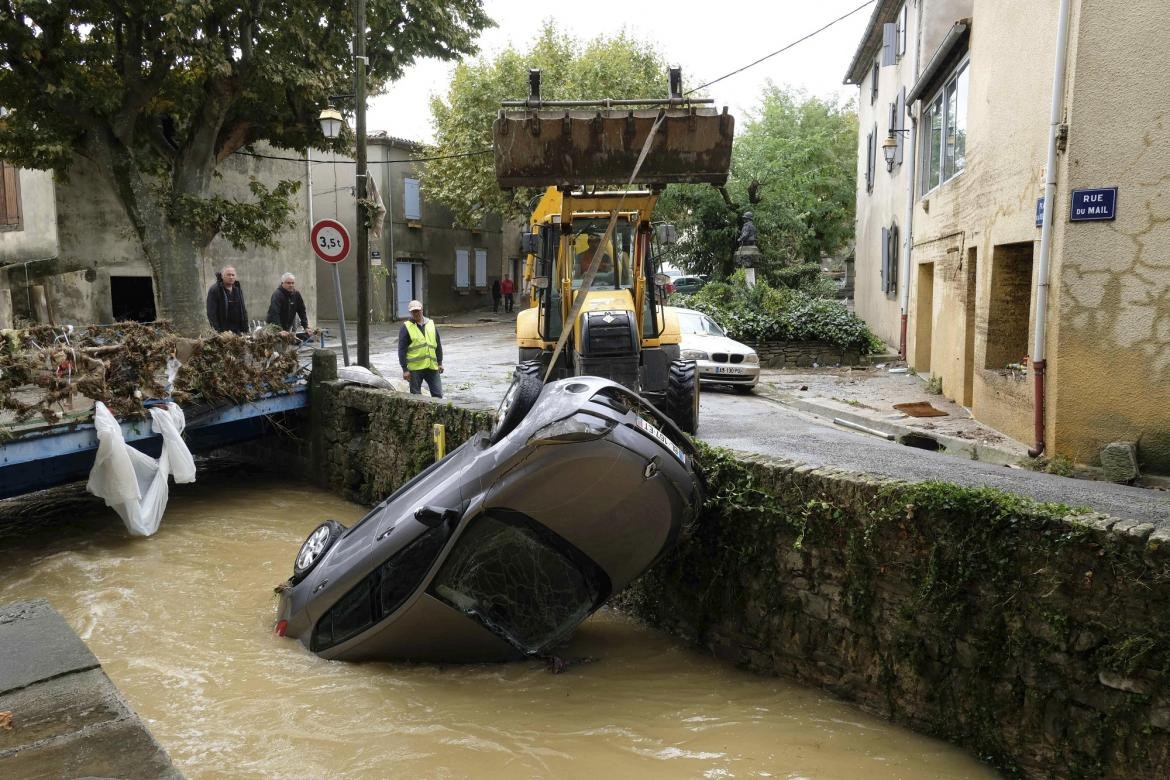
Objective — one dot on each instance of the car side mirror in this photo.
(433, 516)
(531, 244)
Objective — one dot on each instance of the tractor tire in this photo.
(518, 400)
(682, 396)
(531, 368)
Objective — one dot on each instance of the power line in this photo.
(372, 162)
(784, 49)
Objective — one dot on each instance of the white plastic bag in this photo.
(133, 484)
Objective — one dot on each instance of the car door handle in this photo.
(432, 516)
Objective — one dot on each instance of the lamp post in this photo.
(330, 119)
(363, 248)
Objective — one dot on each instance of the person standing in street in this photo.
(420, 353)
(507, 288)
(287, 306)
(496, 295)
(225, 303)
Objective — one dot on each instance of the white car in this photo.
(720, 360)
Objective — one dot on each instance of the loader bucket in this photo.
(565, 148)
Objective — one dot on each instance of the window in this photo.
(481, 268)
(411, 202)
(871, 158)
(461, 269)
(9, 197)
(873, 85)
(889, 278)
(944, 142)
(903, 21)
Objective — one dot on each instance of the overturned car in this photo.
(504, 547)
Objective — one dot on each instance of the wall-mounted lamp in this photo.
(330, 119)
(890, 148)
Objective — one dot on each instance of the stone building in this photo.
(421, 253)
(69, 254)
(949, 260)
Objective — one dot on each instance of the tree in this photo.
(158, 94)
(794, 167)
(615, 67)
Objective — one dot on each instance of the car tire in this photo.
(314, 547)
(518, 400)
(682, 395)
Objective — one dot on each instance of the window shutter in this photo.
(903, 23)
(889, 42)
(411, 203)
(892, 275)
(901, 125)
(461, 280)
(481, 268)
(885, 260)
(9, 195)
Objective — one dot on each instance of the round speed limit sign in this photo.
(330, 240)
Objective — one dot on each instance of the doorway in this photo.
(969, 334)
(132, 298)
(407, 286)
(924, 318)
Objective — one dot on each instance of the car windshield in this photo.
(515, 578)
(699, 324)
(587, 235)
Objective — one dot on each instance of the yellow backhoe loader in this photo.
(593, 288)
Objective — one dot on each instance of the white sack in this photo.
(134, 484)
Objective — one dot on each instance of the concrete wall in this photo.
(37, 237)
(1111, 280)
(430, 241)
(95, 233)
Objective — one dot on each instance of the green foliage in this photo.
(1060, 465)
(242, 223)
(934, 385)
(605, 67)
(793, 167)
(764, 313)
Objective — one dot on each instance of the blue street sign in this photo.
(1039, 212)
(1094, 205)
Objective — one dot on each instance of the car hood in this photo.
(714, 344)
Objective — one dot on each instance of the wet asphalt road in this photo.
(478, 359)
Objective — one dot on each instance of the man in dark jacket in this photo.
(225, 303)
(287, 306)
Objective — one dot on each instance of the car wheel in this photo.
(518, 400)
(315, 547)
(682, 395)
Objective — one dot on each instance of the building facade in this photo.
(421, 253)
(72, 256)
(949, 234)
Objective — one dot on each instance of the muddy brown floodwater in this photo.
(182, 622)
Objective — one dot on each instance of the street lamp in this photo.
(890, 148)
(331, 121)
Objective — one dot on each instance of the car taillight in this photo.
(281, 627)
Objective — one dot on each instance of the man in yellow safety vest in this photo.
(420, 353)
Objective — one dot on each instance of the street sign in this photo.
(1094, 205)
(330, 240)
(375, 257)
(1039, 212)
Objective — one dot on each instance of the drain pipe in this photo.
(904, 265)
(1039, 347)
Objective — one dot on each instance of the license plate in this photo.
(728, 370)
(661, 438)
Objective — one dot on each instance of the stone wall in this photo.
(788, 354)
(1036, 638)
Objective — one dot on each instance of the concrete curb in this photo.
(951, 445)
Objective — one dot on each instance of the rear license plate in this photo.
(661, 438)
(728, 370)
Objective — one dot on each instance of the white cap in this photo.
(413, 305)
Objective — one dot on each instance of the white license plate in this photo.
(728, 370)
(661, 438)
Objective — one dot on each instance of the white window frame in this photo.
(462, 268)
(929, 154)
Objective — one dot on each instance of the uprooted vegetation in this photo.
(45, 369)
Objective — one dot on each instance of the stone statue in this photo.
(747, 236)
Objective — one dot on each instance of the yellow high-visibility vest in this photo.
(420, 355)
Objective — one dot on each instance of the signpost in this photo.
(1096, 205)
(330, 241)
(1039, 212)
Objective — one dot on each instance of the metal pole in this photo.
(340, 313)
(363, 248)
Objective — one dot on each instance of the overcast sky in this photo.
(723, 37)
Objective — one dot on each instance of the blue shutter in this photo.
(901, 125)
(411, 204)
(889, 42)
(885, 259)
